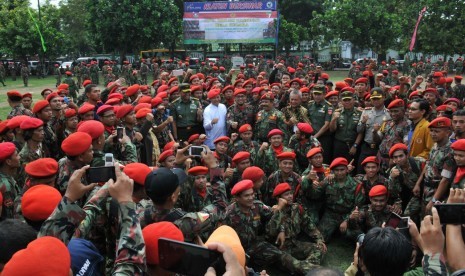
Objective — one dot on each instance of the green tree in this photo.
(290, 34)
(127, 26)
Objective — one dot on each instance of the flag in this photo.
(38, 30)
(414, 36)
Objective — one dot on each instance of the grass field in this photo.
(340, 251)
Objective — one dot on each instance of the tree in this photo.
(128, 25)
(378, 25)
(290, 34)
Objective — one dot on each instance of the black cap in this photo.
(161, 183)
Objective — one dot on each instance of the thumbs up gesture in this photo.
(229, 171)
(355, 214)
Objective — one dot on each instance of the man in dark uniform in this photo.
(187, 114)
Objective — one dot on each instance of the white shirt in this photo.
(214, 131)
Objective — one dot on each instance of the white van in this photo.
(237, 62)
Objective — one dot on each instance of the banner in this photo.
(414, 36)
(230, 22)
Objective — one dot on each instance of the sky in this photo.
(33, 3)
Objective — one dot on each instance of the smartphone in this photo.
(189, 259)
(393, 221)
(119, 133)
(178, 72)
(196, 151)
(109, 160)
(451, 213)
(100, 174)
(66, 100)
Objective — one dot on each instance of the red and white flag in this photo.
(414, 36)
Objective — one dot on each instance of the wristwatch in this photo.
(355, 145)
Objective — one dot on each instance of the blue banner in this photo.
(229, 6)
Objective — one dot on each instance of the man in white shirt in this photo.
(214, 118)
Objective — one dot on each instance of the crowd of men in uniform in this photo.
(289, 160)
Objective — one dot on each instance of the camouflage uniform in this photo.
(73, 89)
(85, 73)
(66, 168)
(77, 71)
(94, 74)
(313, 206)
(346, 132)
(250, 227)
(2, 74)
(25, 156)
(9, 191)
(301, 149)
(340, 199)
(268, 120)
(242, 115)
(367, 184)
(58, 76)
(295, 221)
(459, 91)
(391, 133)
(294, 180)
(190, 200)
(319, 114)
(19, 110)
(50, 142)
(252, 148)
(144, 70)
(300, 113)
(440, 164)
(368, 218)
(400, 188)
(25, 75)
(268, 161)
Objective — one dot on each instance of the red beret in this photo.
(143, 112)
(142, 105)
(441, 122)
(448, 80)
(414, 94)
(239, 91)
(86, 107)
(63, 86)
(458, 145)
(172, 79)
(16, 121)
(27, 95)
(174, 89)
(247, 82)
(458, 78)
(305, 128)
(124, 110)
(137, 172)
(193, 77)
(6, 150)
(198, 170)
(145, 99)
(431, 90)
(299, 81)
(340, 85)
(396, 147)
(325, 76)
(331, 94)
(304, 90)
(38, 106)
(153, 232)
(340, 161)
(240, 156)
(257, 90)
(43, 256)
(92, 127)
(445, 107)
(238, 81)
(3, 126)
(291, 70)
(39, 201)
(104, 108)
(162, 95)
(274, 132)
(395, 72)
(286, 155)
(242, 186)
(86, 82)
(14, 93)
(31, 123)
(193, 137)
(144, 88)
(112, 101)
(70, 112)
(196, 88)
(52, 95)
(370, 159)
(396, 103)
(229, 87)
(276, 84)
(169, 146)
(213, 93)
(163, 88)
(361, 80)
(314, 151)
(455, 100)
(267, 96)
(347, 89)
(42, 168)
(245, 128)
(221, 139)
(437, 75)
(222, 68)
(156, 101)
(253, 173)
(77, 143)
(378, 190)
(281, 188)
(133, 89)
(165, 154)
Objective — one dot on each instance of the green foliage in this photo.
(290, 34)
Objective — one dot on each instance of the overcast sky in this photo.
(34, 2)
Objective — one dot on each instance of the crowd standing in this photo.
(289, 159)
